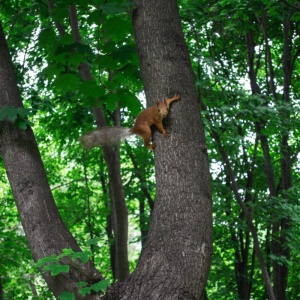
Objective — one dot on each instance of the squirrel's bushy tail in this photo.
(105, 136)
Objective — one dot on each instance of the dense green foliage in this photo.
(246, 110)
(240, 112)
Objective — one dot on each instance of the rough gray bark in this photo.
(43, 226)
(176, 258)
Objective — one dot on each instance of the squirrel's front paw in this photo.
(177, 97)
(166, 134)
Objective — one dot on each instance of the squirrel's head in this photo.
(162, 108)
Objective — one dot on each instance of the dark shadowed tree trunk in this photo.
(42, 223)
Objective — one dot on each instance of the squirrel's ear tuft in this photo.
(157, 103)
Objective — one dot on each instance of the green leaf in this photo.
(132, 103)
(8, 112)
(117, 29)
(51, 71)
(46, 37)
(12, 113)
(66, 252)
(114, 8)
(57, 269)
(85, 291)
(90, 91)
(22, 124)
(81, 284)
(100, 286)
(93, 241)
(67, 82)
(76, 59)
(83, 256)
(125, 99)
(66, 296)
(46, 260)
(67, 39)
(94, 17)
(110, 100)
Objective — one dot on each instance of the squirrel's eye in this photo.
(167, 108)
(158, 110)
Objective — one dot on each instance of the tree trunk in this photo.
(280, 246)
(111, 154)
(142, 203)
(265, 147)
(42, 223)
(176, 259)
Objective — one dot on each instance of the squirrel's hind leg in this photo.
(151, 146)
(147, 137)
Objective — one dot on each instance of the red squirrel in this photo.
(113, 135)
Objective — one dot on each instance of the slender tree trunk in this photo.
(42, 223)
(176, 259)
(264, 144)
(108, 227)
(241, 252)
(280, 243)
(142, 203)
(111, 154)
(32, 287)
(141, 176)
(268, 57)
(119, 214)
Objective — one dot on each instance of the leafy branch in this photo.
(19, 116)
